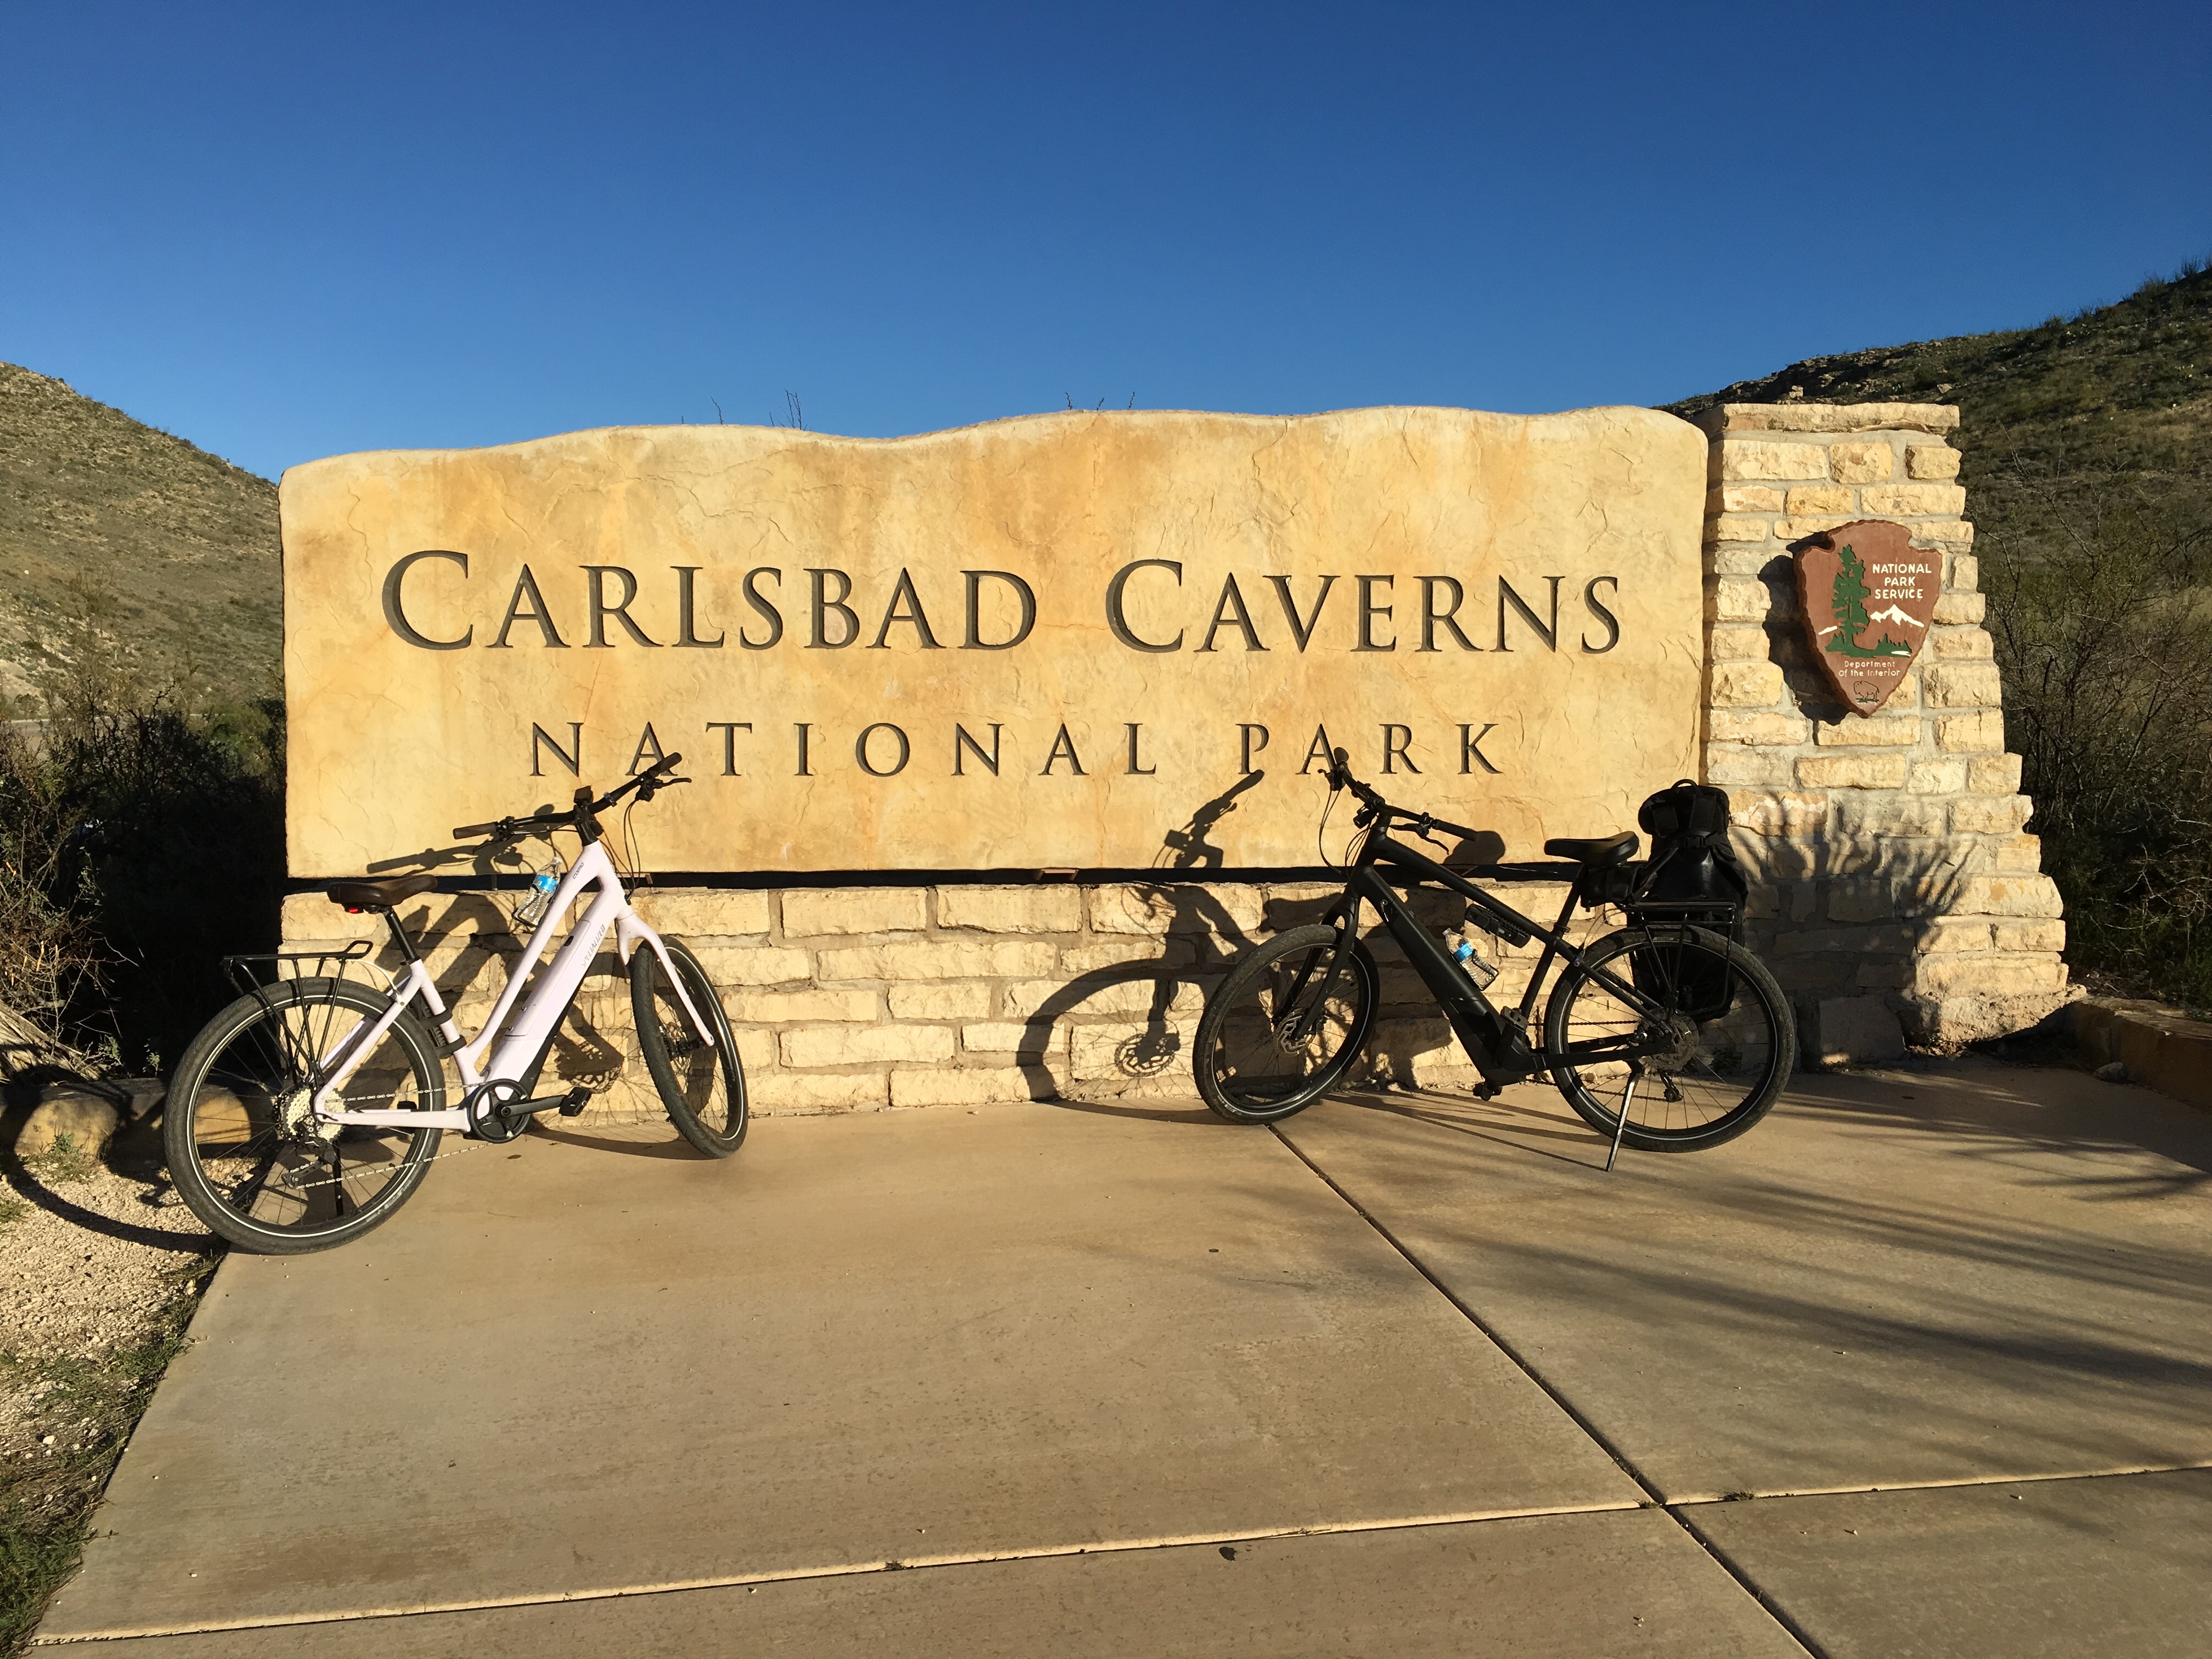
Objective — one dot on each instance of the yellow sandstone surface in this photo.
(1088, 640)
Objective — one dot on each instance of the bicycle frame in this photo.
(552, 987)
(1495, 1039)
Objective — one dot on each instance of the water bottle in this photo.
(543, 886)
(1463, 953)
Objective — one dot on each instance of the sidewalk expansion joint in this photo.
(2118, 1471)
(1621, 1460)
(844, 1570)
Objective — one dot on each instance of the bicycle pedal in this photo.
(574, 1101)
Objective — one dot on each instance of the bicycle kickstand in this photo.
(1621, 1126)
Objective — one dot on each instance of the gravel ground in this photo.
(94, 1261)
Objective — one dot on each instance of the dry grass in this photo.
(47, 1504)
(92, 501)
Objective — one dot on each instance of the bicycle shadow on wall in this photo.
(1203, 942)
(1199, 938)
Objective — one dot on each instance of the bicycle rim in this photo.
(702, 1085)
(243, 1149)
(1696, 1081)
(1280, 1033)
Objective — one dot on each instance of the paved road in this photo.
(1923, 1365)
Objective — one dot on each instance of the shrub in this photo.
(2104, 631)
(49, 953)
(143, 840)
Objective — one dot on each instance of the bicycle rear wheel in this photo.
(243, 1149)
(1267, 1046)
(1699, 1066)
(703, 1088)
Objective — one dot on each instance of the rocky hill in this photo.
(2117, 396)
(169, 554)
(116, 533)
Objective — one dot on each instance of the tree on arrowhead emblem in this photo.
(1851, 596)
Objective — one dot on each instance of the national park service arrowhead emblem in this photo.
(1866, 595)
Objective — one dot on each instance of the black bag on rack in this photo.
(1692, 876)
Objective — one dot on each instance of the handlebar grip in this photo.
(467, 830)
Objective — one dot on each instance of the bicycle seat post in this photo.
(383, 898)
(401, 937)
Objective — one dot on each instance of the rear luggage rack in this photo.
(241, 973)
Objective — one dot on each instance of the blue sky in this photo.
(291, 231)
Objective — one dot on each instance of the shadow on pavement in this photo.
(1896, 1277)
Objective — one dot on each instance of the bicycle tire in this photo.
(703, 1089)
(1721, 1076)
(248, 1071)
(1233, 1057)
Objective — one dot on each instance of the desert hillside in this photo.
(170, 552)
(2115, 395)
(173, 551)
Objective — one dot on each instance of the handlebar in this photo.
(583, 816)
(1372, 806)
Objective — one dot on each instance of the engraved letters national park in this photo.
(1042, 642)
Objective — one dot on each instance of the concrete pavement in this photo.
(1897, 1280)
(1132, 1381)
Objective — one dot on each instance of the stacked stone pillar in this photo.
(1898, 899)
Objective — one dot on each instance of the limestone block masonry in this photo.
(1898, 897)
(949, 996)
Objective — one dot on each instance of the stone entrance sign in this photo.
(1084, 640)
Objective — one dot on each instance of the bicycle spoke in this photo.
(1666, 1042)
(246, 1143)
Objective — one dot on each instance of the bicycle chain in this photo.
(466, 1146)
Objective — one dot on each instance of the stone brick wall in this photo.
(949, 995)
(1899, 897)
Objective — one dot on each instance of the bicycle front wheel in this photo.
(1280, 1032)
(246, 1153)
(702, 1087)
(1698, 1056)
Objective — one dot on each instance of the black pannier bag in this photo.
(1692, 876)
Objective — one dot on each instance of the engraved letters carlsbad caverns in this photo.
(1045, 642)
(1866, 595)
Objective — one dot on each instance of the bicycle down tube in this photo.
(552, 987)
(1497, 1041)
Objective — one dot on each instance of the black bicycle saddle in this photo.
(383, 894)
(1601, 851)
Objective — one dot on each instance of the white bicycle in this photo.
(309, 1110)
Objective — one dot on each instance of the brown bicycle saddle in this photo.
(1600, 850)
(379, 895)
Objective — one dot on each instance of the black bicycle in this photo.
(1666, 1035)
